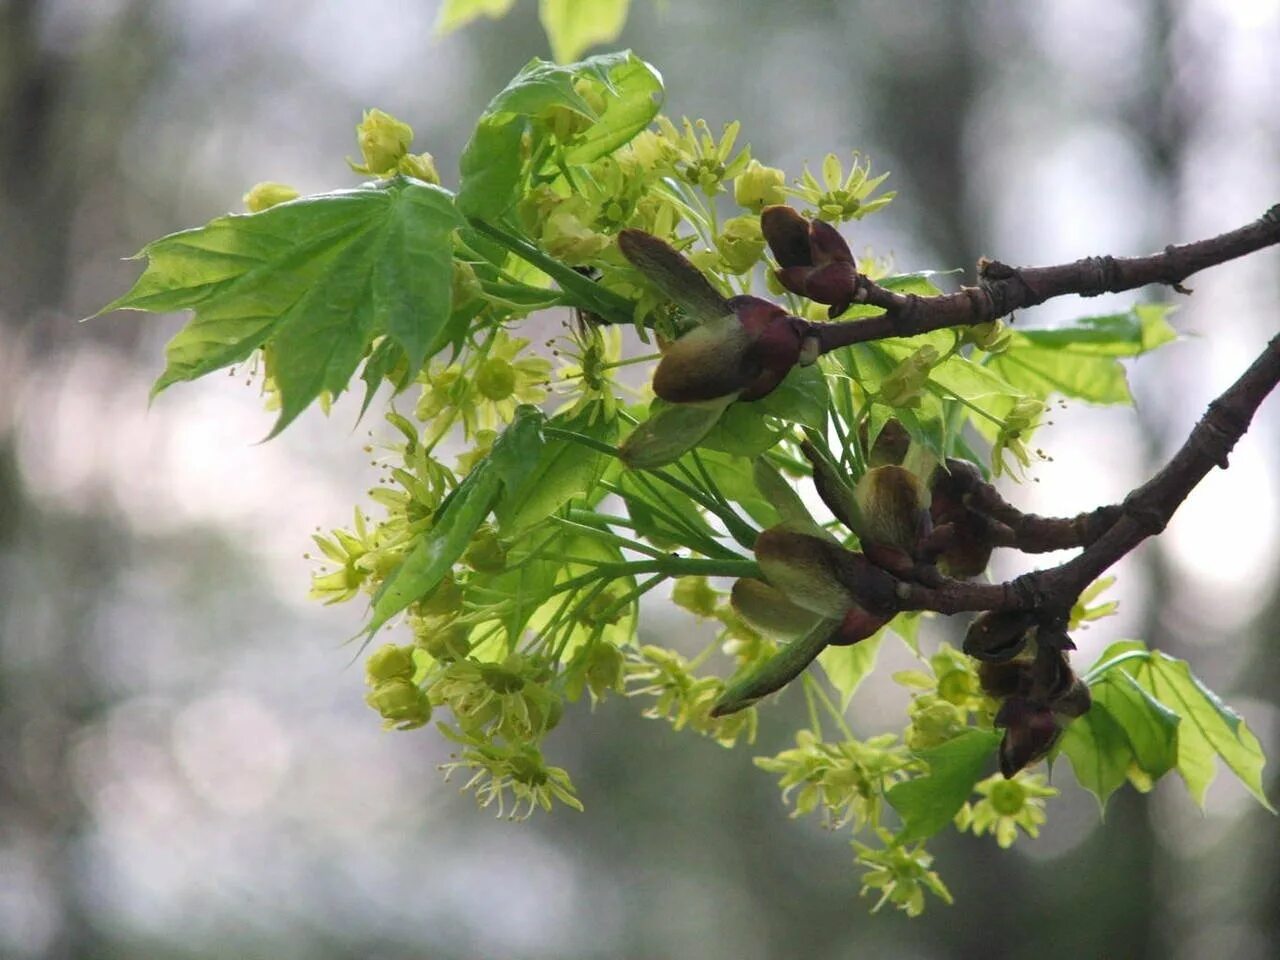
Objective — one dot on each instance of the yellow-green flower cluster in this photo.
(695, 155)
(390, 672)
(901, 873)
(589, 356)
(512, 699)
(265, 195)
(482, 391)
(1017, 428)
(384, 146)
(846, 779)
(499, 773)
(684, 699)
(945, 701)
(905, 384)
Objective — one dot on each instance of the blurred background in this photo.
(187, 769)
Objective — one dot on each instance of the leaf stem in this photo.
(591, 295)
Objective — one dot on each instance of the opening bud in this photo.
(748, 352)
(767, 610)
(813, 259)
(821, 576)
(742, 346)
(893, 508)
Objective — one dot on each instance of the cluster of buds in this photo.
(1023, 664)
(813, 259)
(389, 673)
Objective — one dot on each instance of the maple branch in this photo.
(1028, 532)
(1110, 532)
(1002, 289)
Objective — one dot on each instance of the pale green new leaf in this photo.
(671, 430)
(1150, 727)
(563, 470)
(491, 166)
(735, 478)
(742, 430)
(573, 26)
(314, 281)
(1099, 752)
(1082, 360)
(458, 13)
(802, 397)
(847, 666)
(1208, 727)
(929, 802)
(512, 458)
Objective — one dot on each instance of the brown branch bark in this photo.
(1109, 533)
(1029, 532)
(1002, 289)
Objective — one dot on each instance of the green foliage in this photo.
(312, 283)
(572, 26)
(929, 802)
(1082, 361)
(1151, 714)
(514, 575)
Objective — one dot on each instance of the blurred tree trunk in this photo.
(55, 573)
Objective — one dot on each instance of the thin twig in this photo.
(1002, 289)
(1145, 512)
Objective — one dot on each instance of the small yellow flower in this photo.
(1018, 426)
(592, 352)
(901, 873)
(740, 244)
(496, 770)
(683, 699)
(759, 186)
(421, 166)
(384, 141)
(402, 704)
(263, 196)
(838, 197)
(904, 386)
(1006, 806)
(504, 379)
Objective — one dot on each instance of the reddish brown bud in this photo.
(787, 234)
(1004, 679)
(998, 635)
(858, 624)
(1030, 731)
(826, 244)
(972, 535)
(813, 258)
